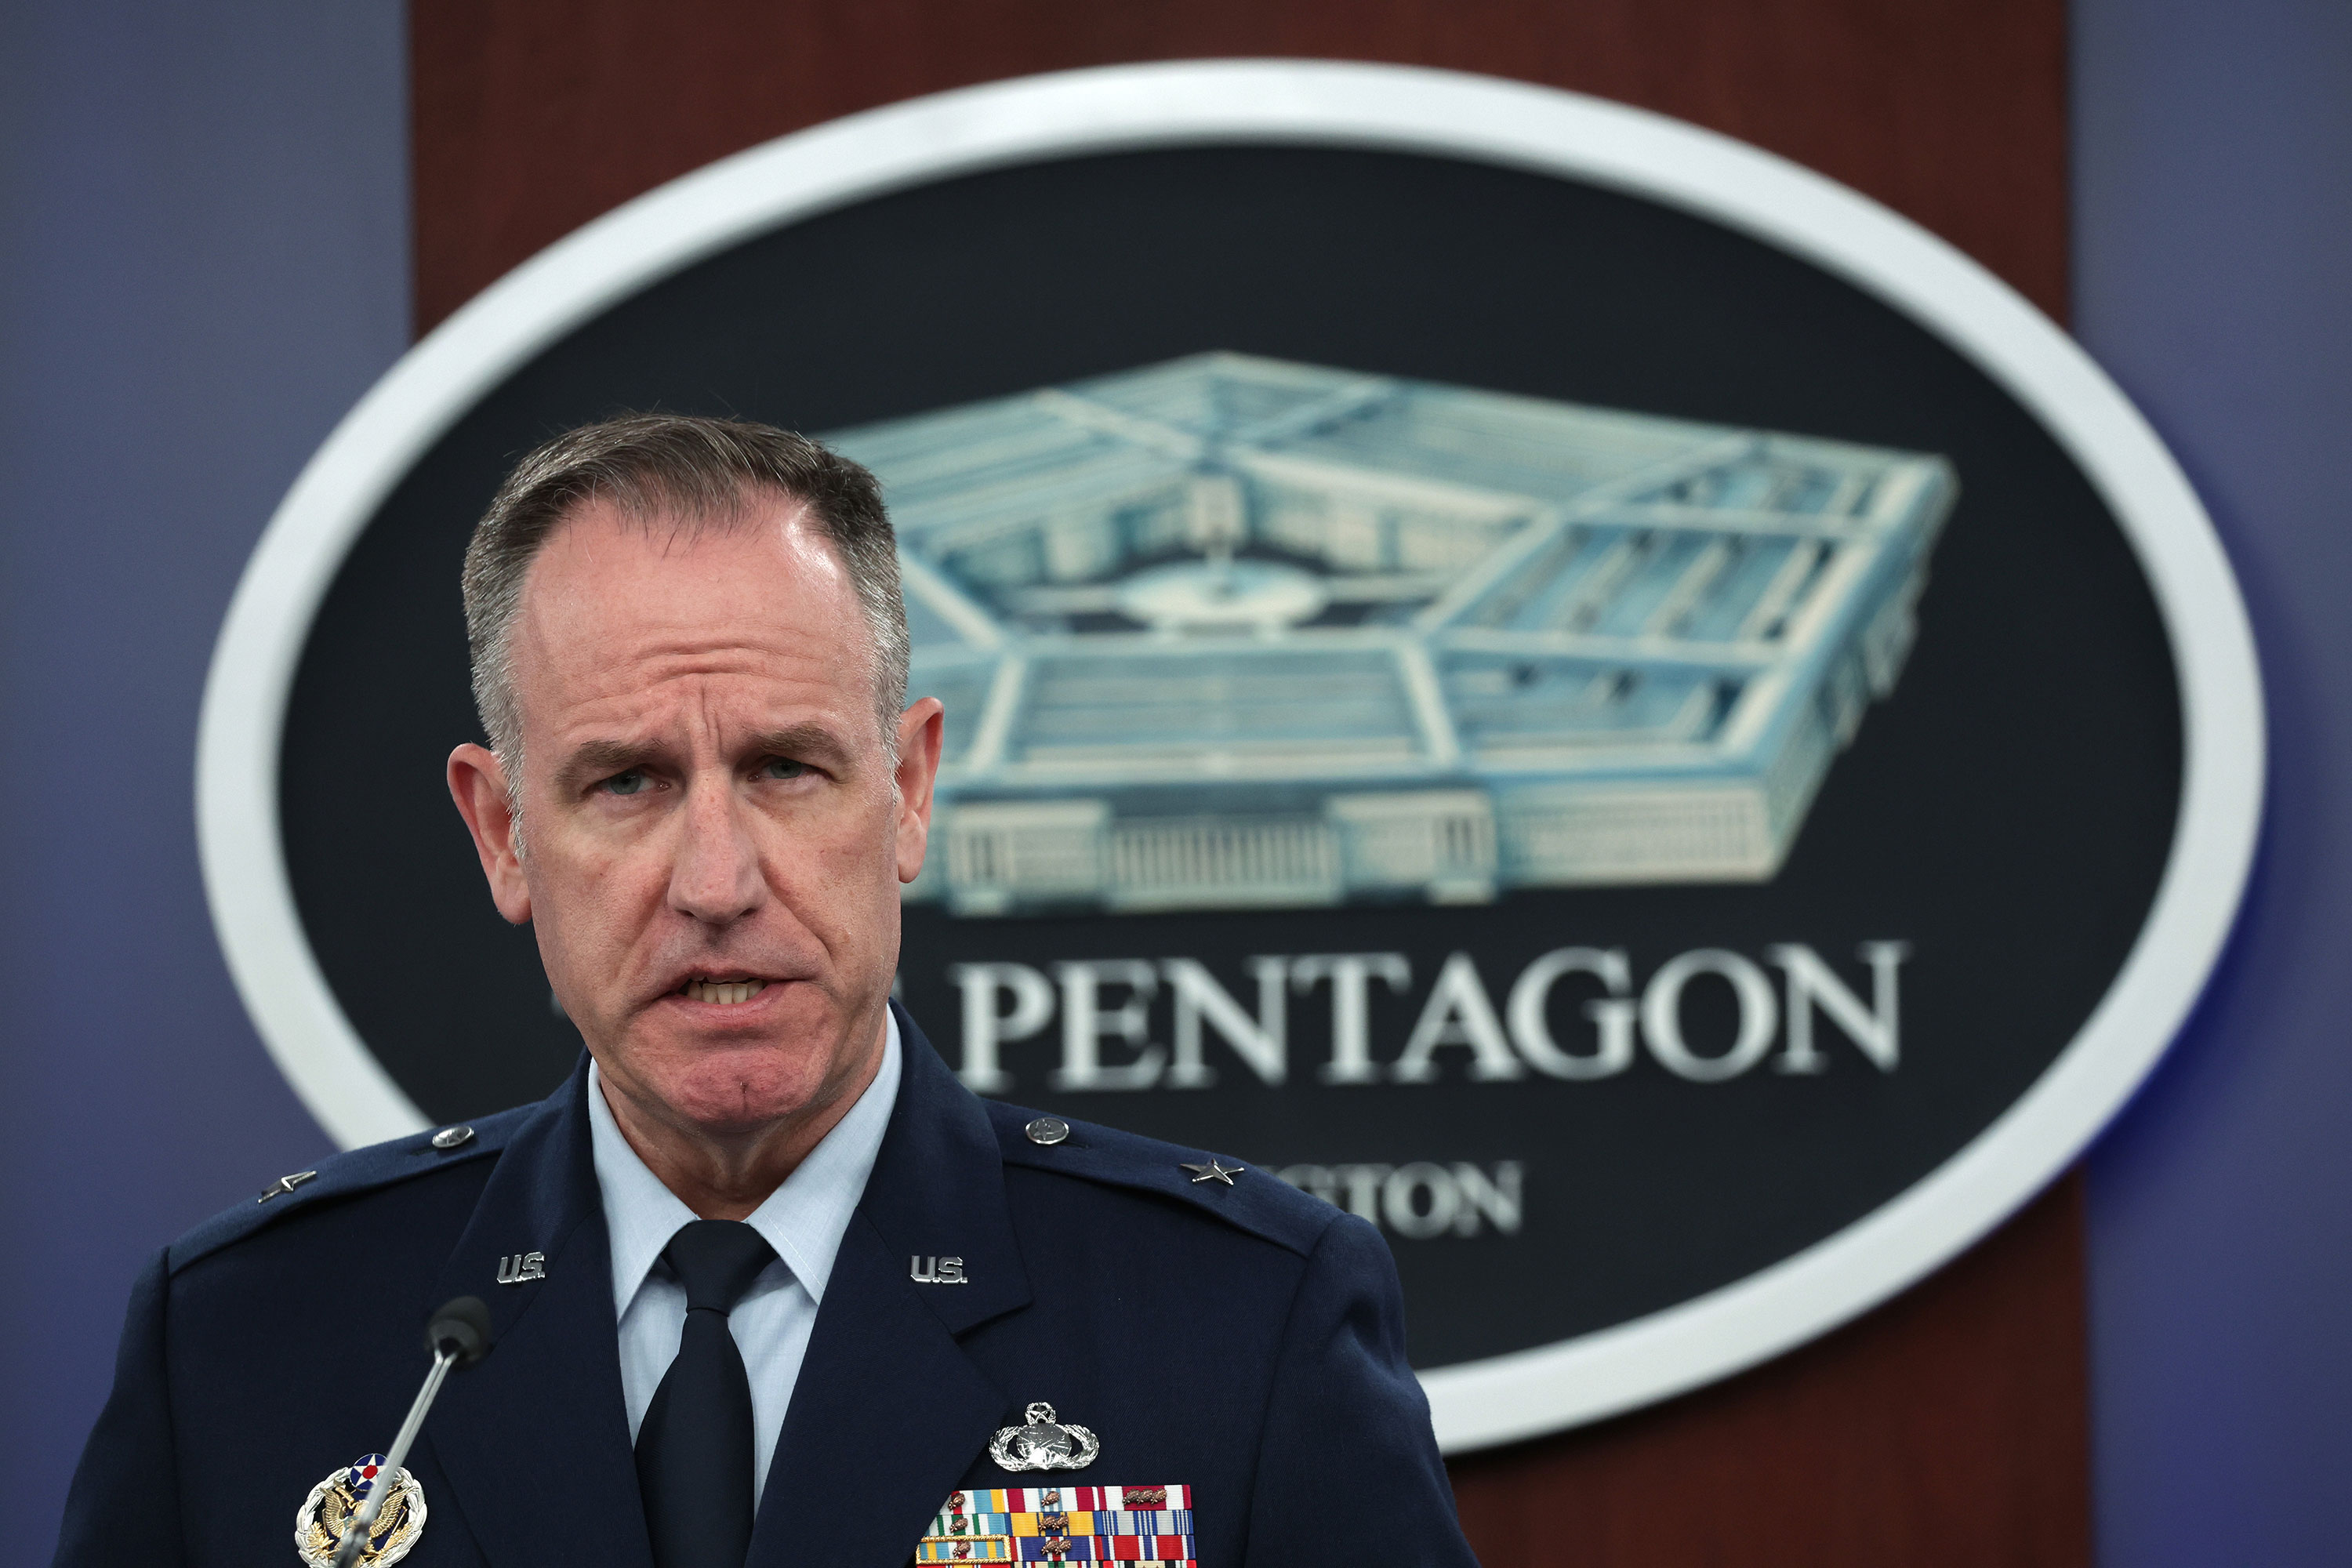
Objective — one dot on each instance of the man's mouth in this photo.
(725, 993)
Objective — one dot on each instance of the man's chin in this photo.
(736, 1091)
(730, 1081)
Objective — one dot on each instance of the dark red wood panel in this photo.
(1949, 1427)
(534, 116)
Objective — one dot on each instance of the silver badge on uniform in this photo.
(325, 1513)
(1045, 1444)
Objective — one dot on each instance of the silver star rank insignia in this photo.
(1215, 1171)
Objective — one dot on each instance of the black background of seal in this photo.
(2007, 811)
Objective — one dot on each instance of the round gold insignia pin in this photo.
(325, 1513)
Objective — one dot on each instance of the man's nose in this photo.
(717, 877)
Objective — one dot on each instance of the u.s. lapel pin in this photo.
(327, 1512)
(925, 1271)
(1044, 1444)
(523, 1268)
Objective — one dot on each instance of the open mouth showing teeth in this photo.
(726, 993)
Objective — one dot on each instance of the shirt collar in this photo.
(802, 1219)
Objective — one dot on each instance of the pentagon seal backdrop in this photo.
(1638, 742)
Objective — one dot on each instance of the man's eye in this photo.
(630, 783)
(782, 768)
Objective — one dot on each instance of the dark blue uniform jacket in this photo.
(1247, 1342)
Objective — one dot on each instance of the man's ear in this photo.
(918, 767)
(479, 784)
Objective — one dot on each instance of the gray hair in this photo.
(700, 472)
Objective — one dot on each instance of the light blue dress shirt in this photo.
(804, 1220)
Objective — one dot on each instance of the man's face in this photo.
(714, 831)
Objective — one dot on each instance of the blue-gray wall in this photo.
(202, 261)
(203, 249)
(2213, 278)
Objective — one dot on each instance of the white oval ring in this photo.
(1319, 103)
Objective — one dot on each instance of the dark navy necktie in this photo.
(694, 1449)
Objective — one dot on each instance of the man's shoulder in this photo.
(378, 1171)
(1125, 1167)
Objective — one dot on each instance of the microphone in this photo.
(458, 1336)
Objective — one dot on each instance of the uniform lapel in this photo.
(535, 1439)
(889, 1412)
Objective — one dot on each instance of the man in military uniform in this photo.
(766, 1284)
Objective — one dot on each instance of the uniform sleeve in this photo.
(1347, 1468)
(125, 1507)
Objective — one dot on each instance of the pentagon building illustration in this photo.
(1232, 632)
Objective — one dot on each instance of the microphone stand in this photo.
(459, 1335)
